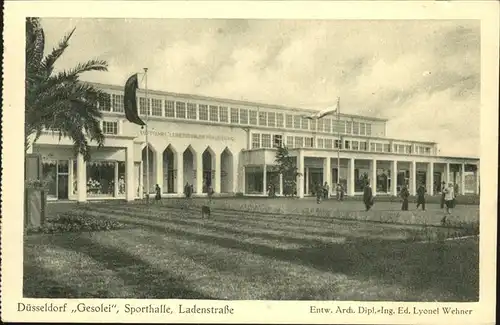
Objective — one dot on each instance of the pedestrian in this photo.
(368, 196)
(405, 194)
(421, 196)
(158, 193)
(455, 193)
(319, 192)
(443, 188)
(342, 192)
(326, 190)
(449, 196)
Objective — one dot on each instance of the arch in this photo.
(152, 168)
(170, 158)
(226, 171)
(188, 166)
(208, 167)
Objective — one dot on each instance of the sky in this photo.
(422, 75)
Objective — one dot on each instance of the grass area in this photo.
(172, 253)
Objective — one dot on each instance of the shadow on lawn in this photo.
(146, 280)
(452, 269)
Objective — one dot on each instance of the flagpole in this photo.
(340, 142)
(146, 127)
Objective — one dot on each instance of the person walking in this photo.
(368, 196)
(443, 187)
(319, 192)
(449, 196)
(405, 194)
(157, 193)
(421, 196)
(326, 191)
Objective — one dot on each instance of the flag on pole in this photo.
(130, 101)
(327, 111)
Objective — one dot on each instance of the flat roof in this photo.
(231, 101)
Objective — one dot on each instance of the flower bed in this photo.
(76, 222)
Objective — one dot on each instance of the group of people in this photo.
(448, 196)
(323, 192)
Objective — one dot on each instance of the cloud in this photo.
(424, 76)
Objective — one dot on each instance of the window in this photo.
(372, 147)
(253, 118)
(338, 126)
(255, 140)
(266, 141)
(355, 128)
(289, 121)
(214, 113)
(309, 143)
(156, 107)
(312, 124)
(279, 120)
(169, 108)
(109, 127)
(262, 118)
(427, 150)
(243, 116)
(328, 143)
(319, 125)
(327, 125)
(191, 111)
(387, 147)
(203, 112)
(289, 141)
(296, 121)
(277, 141)
(363, 146)
(235, 115)
(118, 103)
(348, 127)
(104, 102)
(395, 148)
(271, 119)
(347, 144)
(336, 144)
(180, 109)
(362, 128)
(379, 147)
(355, 145)
(223, 114)
(305, 124)
(321, 143)
(368, 129)
(299, 142)
(408, 149)
(144, 106)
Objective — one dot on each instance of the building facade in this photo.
(230, 146)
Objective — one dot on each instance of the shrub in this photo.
(239, 194)
(76, 222)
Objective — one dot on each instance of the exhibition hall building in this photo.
(229, 146)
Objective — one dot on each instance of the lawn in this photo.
(169, 252)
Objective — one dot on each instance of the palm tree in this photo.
(59, 102)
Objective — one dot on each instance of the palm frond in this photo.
(49, 61)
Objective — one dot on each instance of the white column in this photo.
(394, 178)
(81, 169)
(199, 173)
(141, 179)
(413, 178)
(300, 178)
(115, 187)
(373, 181)
(264, 179)
(462, 179)
(243, 180)
(217, 168)
(350, 177)
(130, 184)
(447, 174)
(70, 179)
(281, 185)
(159, 169)
(235, 174)
(179, 172)
(430, 177)
(327, 172)
(306, 179)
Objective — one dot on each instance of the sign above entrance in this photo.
(187, 135)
